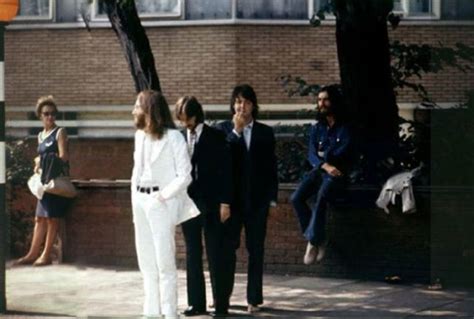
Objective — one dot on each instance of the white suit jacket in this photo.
(171, 172)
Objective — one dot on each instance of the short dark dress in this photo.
(51, 206)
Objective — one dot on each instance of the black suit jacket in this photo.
(212, 171)
(254, 170)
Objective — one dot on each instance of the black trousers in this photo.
(254, 221)
(219, 255)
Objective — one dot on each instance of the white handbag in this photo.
(35, 186)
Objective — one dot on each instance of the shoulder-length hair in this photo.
(157, 113)
(336, 97)
(190, 106)
(248, 93)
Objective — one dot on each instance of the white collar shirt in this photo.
(248, 134)
(193, 139)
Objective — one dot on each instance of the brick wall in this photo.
(364, 243)
(435, 242)
(88, 68)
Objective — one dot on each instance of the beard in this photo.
(139, 121)
(321, 114)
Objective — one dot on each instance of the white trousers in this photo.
(156, 252)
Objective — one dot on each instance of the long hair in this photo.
(190, 106)
(157, 113)
(247, 92)
(334, 92)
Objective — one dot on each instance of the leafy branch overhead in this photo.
(412, 61)
(409, 63)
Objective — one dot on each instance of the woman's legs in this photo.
(45, 258)
(38, 236)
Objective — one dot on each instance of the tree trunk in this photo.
(132, 37)
(364, 59)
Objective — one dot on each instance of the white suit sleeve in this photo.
(133, 179)
(182, 165)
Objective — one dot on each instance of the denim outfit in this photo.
(330, 145)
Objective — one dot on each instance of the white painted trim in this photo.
(2, 163)
(211, 107)
(2, 80)
(72, 123)
(223, 22)
(118, 123)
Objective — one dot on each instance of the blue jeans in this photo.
(312, 220)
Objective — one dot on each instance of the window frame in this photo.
(50, 18)
(309, 8)
(435, 13)
(172, 19)
(95, 16)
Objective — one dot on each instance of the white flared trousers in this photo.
(156, 252)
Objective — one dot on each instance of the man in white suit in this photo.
(161, 175)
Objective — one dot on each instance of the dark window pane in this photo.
(457, 9)
(272, 9)
(417, 7)
(208, 9)
(319, 4)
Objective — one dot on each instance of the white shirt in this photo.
(146, 179)
(198, 132)
(247, 134)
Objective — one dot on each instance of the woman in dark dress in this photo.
(51, 162)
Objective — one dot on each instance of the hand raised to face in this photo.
(239, 121)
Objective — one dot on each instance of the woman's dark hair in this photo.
(190, 106)
(247, 92)
(157, 113)
(45, 101)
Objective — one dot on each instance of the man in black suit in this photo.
(255, 184)
(210, 189)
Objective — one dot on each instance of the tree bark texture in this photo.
(125, 22)
(364, 59)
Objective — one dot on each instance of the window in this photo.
(458, 10)
(272, 9)
(408, 8)
(208, 9)
(35, 9)
(151, 8)
(322, 4)
(417, 8)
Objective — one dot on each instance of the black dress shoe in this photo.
(219, 314)
(193, 311)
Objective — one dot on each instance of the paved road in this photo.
(99, 292)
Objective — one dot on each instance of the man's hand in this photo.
(224, 212)
(239, 122)
(331, 170)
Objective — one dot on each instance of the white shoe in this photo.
(310, 254)
(321, 251)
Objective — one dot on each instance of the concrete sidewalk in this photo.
(99, 292)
